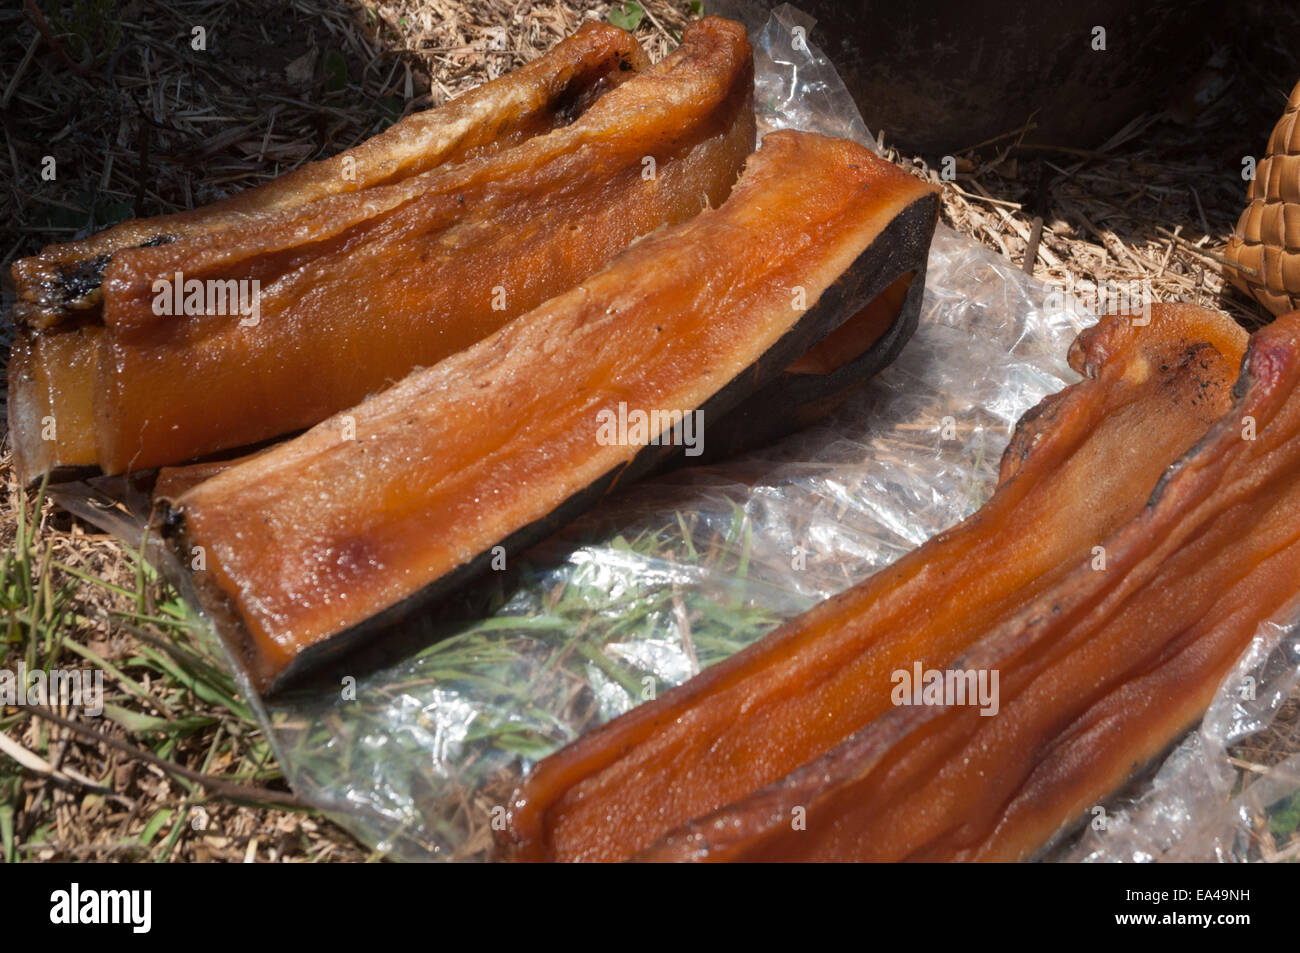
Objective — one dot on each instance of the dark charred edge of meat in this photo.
(583, 89)
(81, 278)
(84, 277)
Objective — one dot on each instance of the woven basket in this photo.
(1267, 238)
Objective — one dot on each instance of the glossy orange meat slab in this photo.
(55, 358)
(316, 543)
(1098, 673)
(356, 289)
(1080, 466)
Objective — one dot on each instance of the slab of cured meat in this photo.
(1146, 521)
(322, 541)
(132, 352)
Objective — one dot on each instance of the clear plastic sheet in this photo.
(677, 573)
(1194, 808)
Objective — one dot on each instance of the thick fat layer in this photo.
(1080, 466)
(1098, 674)
(52, 399)
(322, 532)
(357, 290)
(526, 102)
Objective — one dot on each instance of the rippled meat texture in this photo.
(403, 497)
(1079, 468)
(357, 288)
(1099, 673)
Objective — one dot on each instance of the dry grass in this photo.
(140, 124)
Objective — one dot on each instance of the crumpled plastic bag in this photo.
(676, 573)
